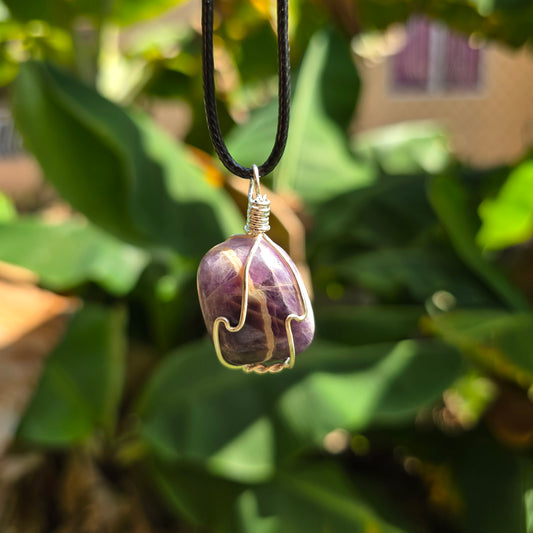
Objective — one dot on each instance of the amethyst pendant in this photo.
(255, 305)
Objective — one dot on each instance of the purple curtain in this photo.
(462, 63)
(459, 62)
(411, 64)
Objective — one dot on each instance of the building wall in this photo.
(489, 126)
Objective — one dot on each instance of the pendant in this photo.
(254, 302)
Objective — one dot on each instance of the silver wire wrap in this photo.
(258, 214)
(257, 224)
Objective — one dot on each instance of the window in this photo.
(435, 59)
(10, 141)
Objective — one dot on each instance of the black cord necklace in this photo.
(248, 284)
(284, 90)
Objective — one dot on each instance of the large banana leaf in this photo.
(71, 253)
(198, 412)
(317, 163)
(117, 169)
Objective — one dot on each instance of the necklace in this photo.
(248, 280)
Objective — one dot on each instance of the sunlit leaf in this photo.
(8, 211)
(381, 384)
(405, 148)
(128, 11)
(317, 163)
(499, 340)
(508, 218)
(457, 214)
(69, 254)
(121, 172)
(64, 12)
(196, 411)
(191, 388)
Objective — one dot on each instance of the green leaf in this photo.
(202, 214)
(252, 142)
(317, 163)
(500, 341)
(379, 14)
(8, 211)
(405, 148)
(488, 7)
(64, 12)
(391, 213)
(508, 219)
(317, 498)
(528, 494)
(188, 489)
(457, 215)
(255, 50)
(198, 412)
(482, 464)
(169, 307)
(55, 12)
(367, 324)
(465, 468)
(81, 385)
(121, 172)
(186, 407)
(129, 11)
(376, 385)
(421, 272)
(506, 21)
(69, 254)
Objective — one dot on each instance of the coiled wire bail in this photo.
(258, 214)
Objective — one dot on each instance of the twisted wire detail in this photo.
(258, 215)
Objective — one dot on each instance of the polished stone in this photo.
(273, 295)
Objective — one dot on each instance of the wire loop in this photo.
(258, 214)
(284, 93)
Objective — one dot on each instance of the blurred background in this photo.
(406, 198)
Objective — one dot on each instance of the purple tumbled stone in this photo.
(272, 296)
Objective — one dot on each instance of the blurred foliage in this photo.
(65, 409)
(137, 184)
(506, 220)
(501, 20)
(397, 418)
(70, 254)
